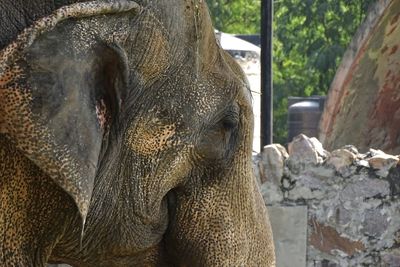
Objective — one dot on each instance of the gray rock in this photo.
(271, 193)
(319, 148)
(256, 169)
(342, 216)
(375, 152)
(304, 193)
(310, 181)
(382, 163)
(325, 263)
(365, 188)
(321, 172)
(362, 163)
(272, 161)
(302, 151)
(352, 149)
(341, 160)
(391, 259)
(375, 223)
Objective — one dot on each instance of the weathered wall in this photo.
(344, 206)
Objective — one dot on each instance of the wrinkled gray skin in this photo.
(125, 140)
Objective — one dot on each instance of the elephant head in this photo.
(137, 118)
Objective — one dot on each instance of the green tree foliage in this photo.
(235, 16)
(310, 37)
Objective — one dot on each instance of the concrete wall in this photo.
(338, 208)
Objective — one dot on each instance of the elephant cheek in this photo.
(147, 138)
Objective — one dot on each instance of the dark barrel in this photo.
(303, 115)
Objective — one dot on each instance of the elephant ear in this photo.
(56, 88)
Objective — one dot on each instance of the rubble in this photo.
(272, 159)
(383, 163)
(352, 203)
(304, 150)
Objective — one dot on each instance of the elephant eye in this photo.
(230, 121)
(219, 139)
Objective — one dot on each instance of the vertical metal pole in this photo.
(266, 72)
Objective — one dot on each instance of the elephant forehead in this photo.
(147, 47)
(207, 99)
(156, 58)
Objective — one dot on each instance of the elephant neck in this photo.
(34, 211)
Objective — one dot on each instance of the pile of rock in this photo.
(339, 208)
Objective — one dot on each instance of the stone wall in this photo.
(333, 209)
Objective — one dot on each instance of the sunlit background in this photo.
(310, 38)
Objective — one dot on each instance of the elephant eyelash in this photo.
(231, 118)
(230, 122)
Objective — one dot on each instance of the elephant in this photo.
(125, 139)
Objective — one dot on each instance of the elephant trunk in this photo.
(206, 232)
